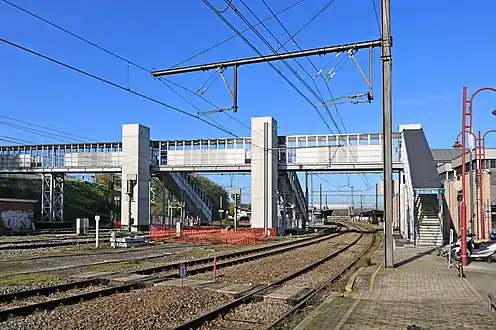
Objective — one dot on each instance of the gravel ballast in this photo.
(152, 308)
(269, 269)
(165, 307)
(321, 274)
(53, 296)
(256, 315)
(14, 288)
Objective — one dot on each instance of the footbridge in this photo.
(272, 160)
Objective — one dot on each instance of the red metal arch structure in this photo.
(467, 110)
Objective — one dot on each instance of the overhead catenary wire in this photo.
(111, 83)
(227, 7)
(310, 61)
(115, 85)
(269, 63)
(59, 132)
(212, 121)
(317, 94)
(308, 22)
(129, 62)
(234, 35)
(13, 140)
(35, 131)
(376, 14)
(213, 124)
(366, 181)
(57, 26)
(314, 66)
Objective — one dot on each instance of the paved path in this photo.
(483, 276)
(421, 290)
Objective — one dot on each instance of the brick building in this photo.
(449, 166)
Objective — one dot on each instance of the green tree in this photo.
(213, 191)
(105, 179)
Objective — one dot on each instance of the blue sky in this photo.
(439, 46)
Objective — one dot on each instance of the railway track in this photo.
(248, 312)
(35, 244)
(49, 232)
(14, 304)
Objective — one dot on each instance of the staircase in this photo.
(184, 188)
(292, 194)
(427, 214)
(422, 188)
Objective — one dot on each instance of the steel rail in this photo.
(8, 297)
(169, 266)
(201, 320)
(50, 304)
(322, 288)
(53, 303)
(41, 232)
(35, 244)
(263, 251)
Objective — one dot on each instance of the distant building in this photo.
(449, 166)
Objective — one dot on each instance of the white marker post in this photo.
(97, 222)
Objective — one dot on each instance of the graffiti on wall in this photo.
(16, 220)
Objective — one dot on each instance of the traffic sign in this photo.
(488, 212)
(182, 270)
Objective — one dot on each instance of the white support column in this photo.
(264, 172)
(135, 192)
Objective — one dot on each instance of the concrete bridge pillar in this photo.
(264, 161)
(135, 191)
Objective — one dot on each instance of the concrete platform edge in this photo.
(475, 291)
(316, 312)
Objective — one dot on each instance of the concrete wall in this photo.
(264, 179)
(135, 211)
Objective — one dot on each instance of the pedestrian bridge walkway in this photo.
(338, 152)
(272, 161)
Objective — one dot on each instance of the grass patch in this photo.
(365, 262)
(122, 266)
(23, 279)
(61, 251)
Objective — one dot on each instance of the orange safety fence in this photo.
(211, 235)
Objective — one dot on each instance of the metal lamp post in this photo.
(467, 111)
(482, 158)
(457, 145)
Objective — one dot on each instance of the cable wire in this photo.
(307, 23)
(234, 36)
(377, 17)
(216, 125)
(111, 83)
(308, 74)
(314, 66)
(227, 7)
(269, 63)
(161, 79)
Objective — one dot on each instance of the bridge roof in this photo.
(445, 155)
